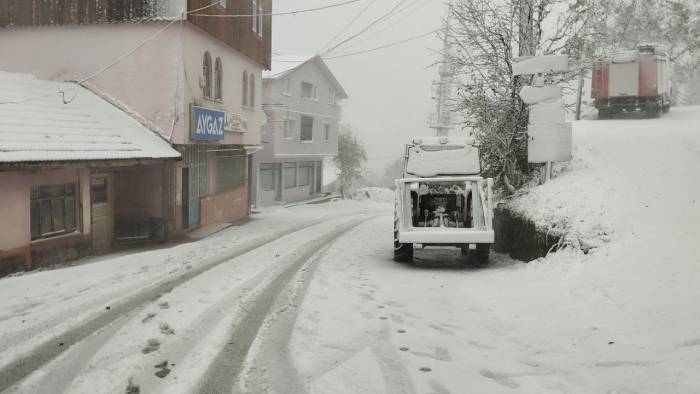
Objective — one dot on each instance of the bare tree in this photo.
(485, 36)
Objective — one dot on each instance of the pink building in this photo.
(76, 173)
(190, 76)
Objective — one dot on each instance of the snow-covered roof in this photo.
(283, 65)
(45, 121)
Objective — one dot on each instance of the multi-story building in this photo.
(179, 67)
(302, 102)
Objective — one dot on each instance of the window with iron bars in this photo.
(231, 170)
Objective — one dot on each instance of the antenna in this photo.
(441, 120)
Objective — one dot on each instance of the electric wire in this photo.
(395, 23)
(156, 34)
(369, 26)
(383, 46)
(279, 13)
(327, 45)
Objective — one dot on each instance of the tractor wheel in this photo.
(403, 253)
(476, 258)
(482, 254)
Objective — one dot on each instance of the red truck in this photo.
(632, 81)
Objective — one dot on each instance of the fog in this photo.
(389, 89)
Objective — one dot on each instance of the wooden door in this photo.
(101, 196)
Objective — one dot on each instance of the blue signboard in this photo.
(207, 124)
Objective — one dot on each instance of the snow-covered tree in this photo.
(350, 159)
(485, 37)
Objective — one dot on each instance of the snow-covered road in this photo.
(308, 299)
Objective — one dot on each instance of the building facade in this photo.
(76, 174)
(197, 80)
(181, 70)
(302, 102)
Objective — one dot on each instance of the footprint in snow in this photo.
(148, 317)
(166, 329)
(151, 346)
(500, 378)
(164, 305)
(163, 369)
(132, 388)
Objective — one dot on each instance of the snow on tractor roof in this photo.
(430, 157)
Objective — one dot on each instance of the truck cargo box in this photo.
(632, 81)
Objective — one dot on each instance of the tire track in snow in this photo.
(395, 375)
(225, 369)
(271, 348)
(42, 354)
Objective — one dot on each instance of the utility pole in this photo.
(441, 119)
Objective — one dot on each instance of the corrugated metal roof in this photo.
(44, 121)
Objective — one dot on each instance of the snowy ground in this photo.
(308, 299)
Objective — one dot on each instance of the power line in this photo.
(355, 44)
(348, 25)
(369, 26)
(118, 60)
(383, 46)
(127, 54)
(280, 13)
(156, 34)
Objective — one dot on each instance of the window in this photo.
(260, 19)
(53, 210)
(218, 79)
(230, 171)
(307, 128)
(267, 177)
(289, 129)
(287, 87)
(332, 97)
(306, 173)
(99, 190)
(206, 71)
(251, 102)
(257, 14)
(245, 88)
(290, 175)
(307, 90)
(326, 132)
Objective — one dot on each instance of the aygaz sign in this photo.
(207, 124)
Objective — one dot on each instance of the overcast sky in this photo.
(390, 89)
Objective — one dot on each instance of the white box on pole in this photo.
(547, 112)
(533, 95)
(549, 142)
(540, 64)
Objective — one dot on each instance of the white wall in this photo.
(147, 81)
(158, 81)
(293, 106)
(195, 44)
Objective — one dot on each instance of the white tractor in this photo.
(443, 201)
